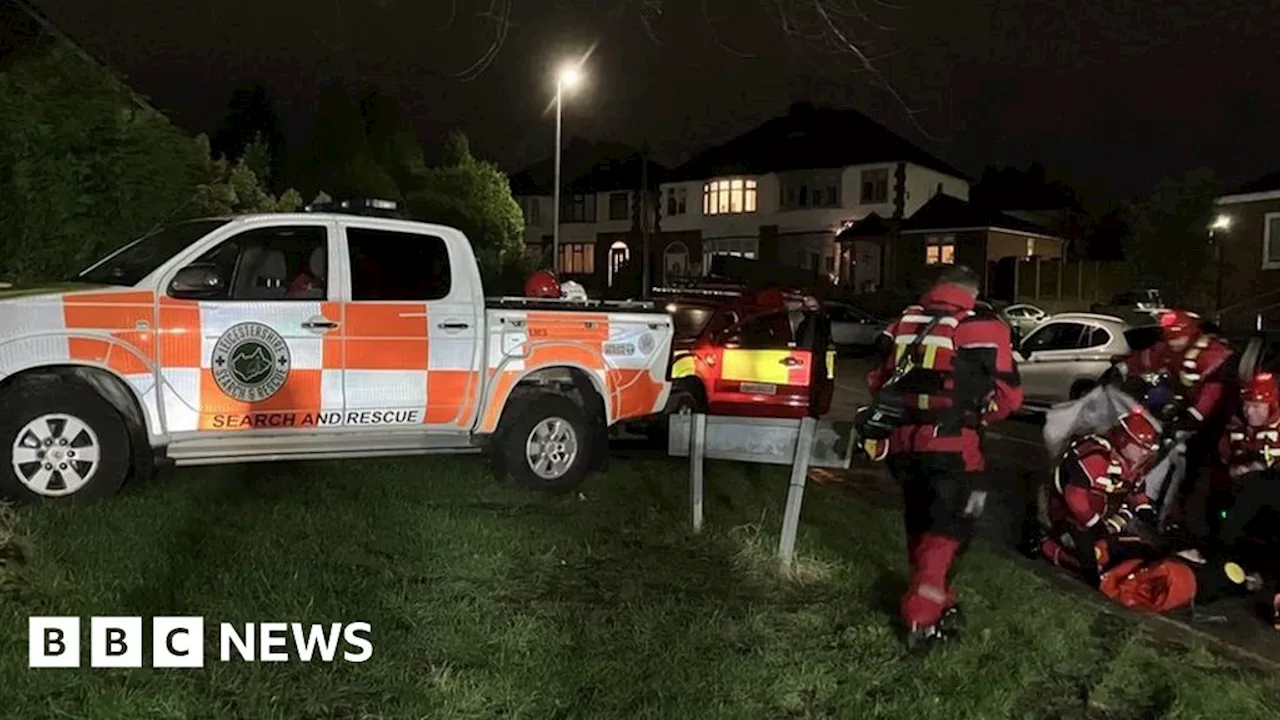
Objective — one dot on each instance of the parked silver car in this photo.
(853, 327)
(1023, 317)
(1063, 357)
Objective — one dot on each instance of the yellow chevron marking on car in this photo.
(763, 366)
(684, 366)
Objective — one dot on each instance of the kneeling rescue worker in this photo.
(963, 376)
(1098, 504)
(1196, 366)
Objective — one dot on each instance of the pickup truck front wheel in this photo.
(62, 442)
(548, 445)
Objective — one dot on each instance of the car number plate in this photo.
(759, 388)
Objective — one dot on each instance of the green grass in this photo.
(490, 602)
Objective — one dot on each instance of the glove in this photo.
(1147, 516)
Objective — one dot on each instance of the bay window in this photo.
(727, 197)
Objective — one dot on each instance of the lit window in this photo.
(721, 197)
(577, 258)
(940, 250)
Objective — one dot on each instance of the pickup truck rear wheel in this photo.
(548, 444)
(62, 442)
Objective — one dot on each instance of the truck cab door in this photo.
(761, 371)
(248, 333)
(412, 328)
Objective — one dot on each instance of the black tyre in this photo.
(546, 444)
(1081, 388)
(685, 395)
(61, 442)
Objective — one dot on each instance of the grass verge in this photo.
(490, 602)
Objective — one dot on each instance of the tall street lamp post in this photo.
(568, 78)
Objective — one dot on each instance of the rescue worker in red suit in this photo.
(964, 377)
(1250, 448)
(1200, 370)
(1098, 510)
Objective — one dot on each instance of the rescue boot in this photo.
(951, 621)
(1032, 540)
(921, 639)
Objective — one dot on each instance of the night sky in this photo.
(1109, 99)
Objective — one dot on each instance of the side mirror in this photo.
(195, 282)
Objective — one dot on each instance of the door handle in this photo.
(320, 324)
(453, 326)
(790, 362)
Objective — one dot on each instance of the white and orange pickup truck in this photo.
(310, 336)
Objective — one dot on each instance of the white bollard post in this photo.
(697, 447)
(795, 493)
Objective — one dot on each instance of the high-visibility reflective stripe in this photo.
(684, 366)
(831, 364)
(764, 366)
(930, 356)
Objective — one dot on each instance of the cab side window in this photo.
(1057, 336)
(398, 266)
(770, 331)
(720, 322)
(1093, 337)
(264, 264)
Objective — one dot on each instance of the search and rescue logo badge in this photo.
(251, 362)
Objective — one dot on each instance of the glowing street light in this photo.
(568, 78)
(1222, 222)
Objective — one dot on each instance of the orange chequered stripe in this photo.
(331, 345)
(120, 314)
(450, 394)
(579, 327)
(301, 394)
(180, 331)
(633, 392)
(377, 337)
(502, 385)
(585, 355)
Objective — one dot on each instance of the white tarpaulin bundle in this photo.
(1097, 412)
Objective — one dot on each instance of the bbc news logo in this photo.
(179, 642)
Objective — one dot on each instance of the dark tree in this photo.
(251, 117)
(339, 161)
(392, 140)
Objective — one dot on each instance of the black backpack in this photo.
(888, 408)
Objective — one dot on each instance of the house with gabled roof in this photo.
(784, 190)
(780, 193)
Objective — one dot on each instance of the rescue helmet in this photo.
(1175, 324)
(542, 284)
(1263, 389)
(1135, 437)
